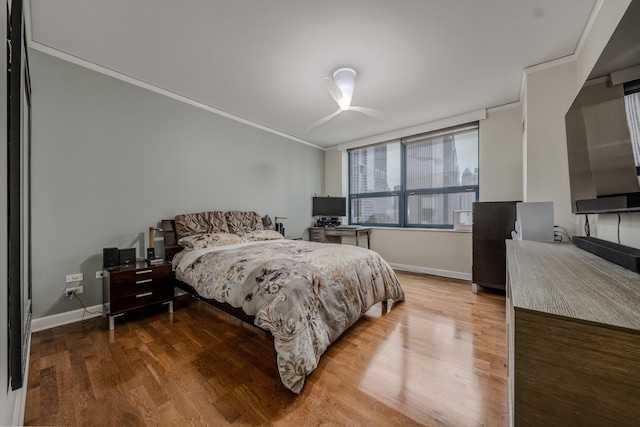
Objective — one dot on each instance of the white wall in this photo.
(549, 92)
(446, 252)
(110, 159)
(500, 163)
(606, 227)
(336, 177)
(440, 252)
(528, 165)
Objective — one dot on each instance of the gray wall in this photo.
(110, 159)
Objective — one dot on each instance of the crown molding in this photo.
(589, 26)
(566, 59)
(504, 107)
(136, 82)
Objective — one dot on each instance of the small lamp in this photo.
(279, 225)
(152, 235)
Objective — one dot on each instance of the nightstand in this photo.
(132, 286)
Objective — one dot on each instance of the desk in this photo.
(334, 235)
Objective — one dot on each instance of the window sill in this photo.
(437, 230)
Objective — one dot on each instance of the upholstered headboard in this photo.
(200, 223)
(240, 222)
(235, 222)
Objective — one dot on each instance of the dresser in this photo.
(573, 337)
(493, 223)
(136, 285)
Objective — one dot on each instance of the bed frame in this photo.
(171, 248)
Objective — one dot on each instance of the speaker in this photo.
(127, 256)
(109, 257)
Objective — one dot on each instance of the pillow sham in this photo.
(253, 236)
(207, 240)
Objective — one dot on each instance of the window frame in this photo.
(403, 194)
(630, 88)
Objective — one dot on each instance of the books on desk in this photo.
(347, 227)
(155, 261)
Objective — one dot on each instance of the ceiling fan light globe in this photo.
(345, 79)
(347, 75)
(345, 102)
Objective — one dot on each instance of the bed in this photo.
(305, 294)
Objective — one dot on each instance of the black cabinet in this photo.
(493, 222)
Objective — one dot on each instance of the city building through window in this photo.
(632, 109)
(418, 181)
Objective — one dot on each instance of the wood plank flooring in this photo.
(436, 359)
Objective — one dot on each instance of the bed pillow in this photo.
(207, 240)
(253, 236)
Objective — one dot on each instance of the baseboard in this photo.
(432, 271)
(48, 322)
(21, 394)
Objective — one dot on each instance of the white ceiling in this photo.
(264, 61)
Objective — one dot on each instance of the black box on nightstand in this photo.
(109, 257)
(127, 256)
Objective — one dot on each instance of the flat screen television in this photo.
(603, 147)
(603, 127)
(329, 206)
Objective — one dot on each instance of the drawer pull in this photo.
(146, 294)
(138, 282)
(143, 271)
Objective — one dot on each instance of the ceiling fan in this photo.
(341, 90)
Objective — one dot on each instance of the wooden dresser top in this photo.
(564, 280)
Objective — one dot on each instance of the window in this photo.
(375, 180)
(417, 181)
(632, 109)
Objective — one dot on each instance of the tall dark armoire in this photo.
(493, 222)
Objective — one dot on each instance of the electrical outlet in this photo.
(76, 290)
(99, 274)
(76, 277)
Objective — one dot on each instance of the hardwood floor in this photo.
(436, 359)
